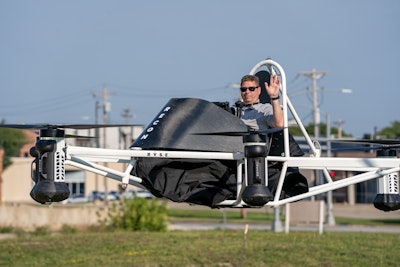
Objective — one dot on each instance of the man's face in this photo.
(250, 97)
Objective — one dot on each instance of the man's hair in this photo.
(251, 78)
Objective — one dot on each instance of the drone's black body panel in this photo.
(186, 124)
(189, 124)
(197, 181)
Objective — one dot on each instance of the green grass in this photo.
(201, 248)
(93, 247)
(215, 215)
(367, 222)
(255, 216)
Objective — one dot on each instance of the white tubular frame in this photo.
(87, 159)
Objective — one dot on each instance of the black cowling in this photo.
(188, 124)
(197, 125)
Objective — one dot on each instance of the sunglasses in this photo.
(244, 89)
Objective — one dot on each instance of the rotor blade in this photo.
(91, 126)
(79, 136)
(268, 131)
(354, 149)
(365, 148)
(61, 126)
(369, 141)
(24, 126)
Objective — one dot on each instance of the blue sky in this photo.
(56, 54)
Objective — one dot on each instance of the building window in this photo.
(76, 183)
(366, 191)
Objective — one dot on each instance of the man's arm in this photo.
(273, 92)
(278, 114)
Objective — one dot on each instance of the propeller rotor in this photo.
(368, 144)
(239, 133)
(62, 127)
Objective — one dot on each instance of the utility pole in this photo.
(1, 175)
(340, 127)
(127, 137)
(330, 219)
(96, 121)
(126, 113)
(106, 110)
(97, 139)
(314, 75)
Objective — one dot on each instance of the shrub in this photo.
(68, 229)
(41, 231)
(6, 229)
(136, 214)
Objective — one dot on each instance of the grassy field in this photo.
(201, 248)
(93, 247)
(234, 216)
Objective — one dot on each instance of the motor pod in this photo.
(256, 193)
(49, 171)
(388, 197)
(34, 171)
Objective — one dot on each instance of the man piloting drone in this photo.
(197, 125)
(260, 110)
(257, 115)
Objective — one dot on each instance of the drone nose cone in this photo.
(387, 202)
(257, 195)
(48, 191)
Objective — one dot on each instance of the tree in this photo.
(392, 131)
(11, 140)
